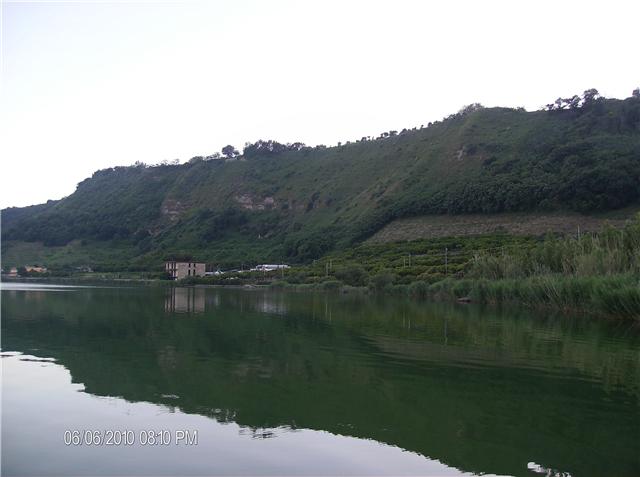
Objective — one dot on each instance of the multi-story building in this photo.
(35, 269)
(180, 270)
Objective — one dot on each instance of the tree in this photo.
(590, 96)
(269, 148)
(559, 104)
(636, 93)
(573, 102)
(230, 151)
(469, 108)
(297, 146)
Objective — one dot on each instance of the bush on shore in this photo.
(616, 295)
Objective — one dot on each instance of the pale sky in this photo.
(87, 85)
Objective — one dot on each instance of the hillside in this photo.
(297, 203)
(513, 223)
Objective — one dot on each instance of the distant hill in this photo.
(295, 203)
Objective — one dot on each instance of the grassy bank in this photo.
(614, 295)
(596, 272)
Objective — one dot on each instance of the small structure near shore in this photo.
(35, 269)
(180, 270)
(269, 267)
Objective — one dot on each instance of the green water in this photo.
(302, 384)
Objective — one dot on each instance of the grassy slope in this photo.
(522, 223)
(300, 205)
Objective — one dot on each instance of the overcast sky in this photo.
(88, 85)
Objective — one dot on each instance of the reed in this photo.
(598, 273)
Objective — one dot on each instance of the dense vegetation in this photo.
(597, 273)
(277, 202)
(594, 272)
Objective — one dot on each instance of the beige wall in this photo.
(29, 268)
(180, 270)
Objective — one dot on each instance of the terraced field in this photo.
(522, 224)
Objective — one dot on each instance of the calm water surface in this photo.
(297, 384)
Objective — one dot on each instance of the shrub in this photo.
(331, 285)
(279, 284)
(419, 289)
(461, 288)
(353, 275)
(383, 280)
(401, 290)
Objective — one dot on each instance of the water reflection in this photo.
(184, 300)
(34, 428)
(199, 300)
(478, 390)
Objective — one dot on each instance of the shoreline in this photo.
(600, 297)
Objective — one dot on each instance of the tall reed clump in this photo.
(597, 272)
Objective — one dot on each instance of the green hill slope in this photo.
(298, 203)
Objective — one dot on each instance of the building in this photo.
(35, 269)
(180, 270)
(269, 267)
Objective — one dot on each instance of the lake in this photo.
(209, 381)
